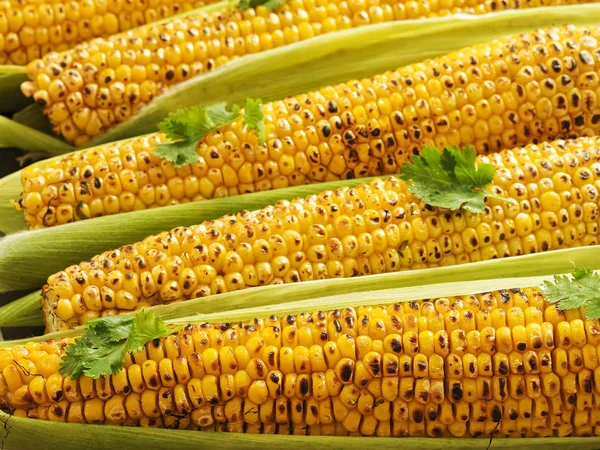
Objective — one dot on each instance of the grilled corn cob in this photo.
(503, 363)
(91, 88)
(373, 228)
(31, 29)
(529, 88)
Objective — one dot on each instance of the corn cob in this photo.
(373, 228)
(528, 88)
(31, 29)
(89, 89)
(504, 363)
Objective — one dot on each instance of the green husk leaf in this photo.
(12, 132)
(559, 261)
(11, 78)
(33, 117)
(333, 58)
(24, 433)
(269, 4)
(10, 189)
(23, 312)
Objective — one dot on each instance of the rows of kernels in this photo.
(347, 131)
(503, 362)
(507, 92)
(29, 30)
(106, 180)
(372, 228)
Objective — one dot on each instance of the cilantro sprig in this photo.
(582, 288)
(185, 127)
(450, 179)
(102, 348)
(269, 4)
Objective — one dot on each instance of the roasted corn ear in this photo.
(503, 363)
(91, 88)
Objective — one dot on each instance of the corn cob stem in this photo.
(374, 228)
(455, 366)
(352, 130)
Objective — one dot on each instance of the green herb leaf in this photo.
(104, 345)
(117, 327)
(146, 327)
(179, 153)
(198, 120)
(186, 126)
(581, 289)
(107, 360)
(73, 360)
(269, 4)
(254, 119)
(450, 179)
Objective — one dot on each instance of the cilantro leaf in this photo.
(581, 289)
(450, 179)
(179, 153)
(269, 4)
(107, 360)
(198, 120)
(117, 326)
(105, 342)
(254, 119)
(186, 126)
(146, 327)
(72, 362)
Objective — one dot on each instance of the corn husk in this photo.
(30, 138)
(28, 433)
(23, 312)
(333, 58)
(12, 100)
